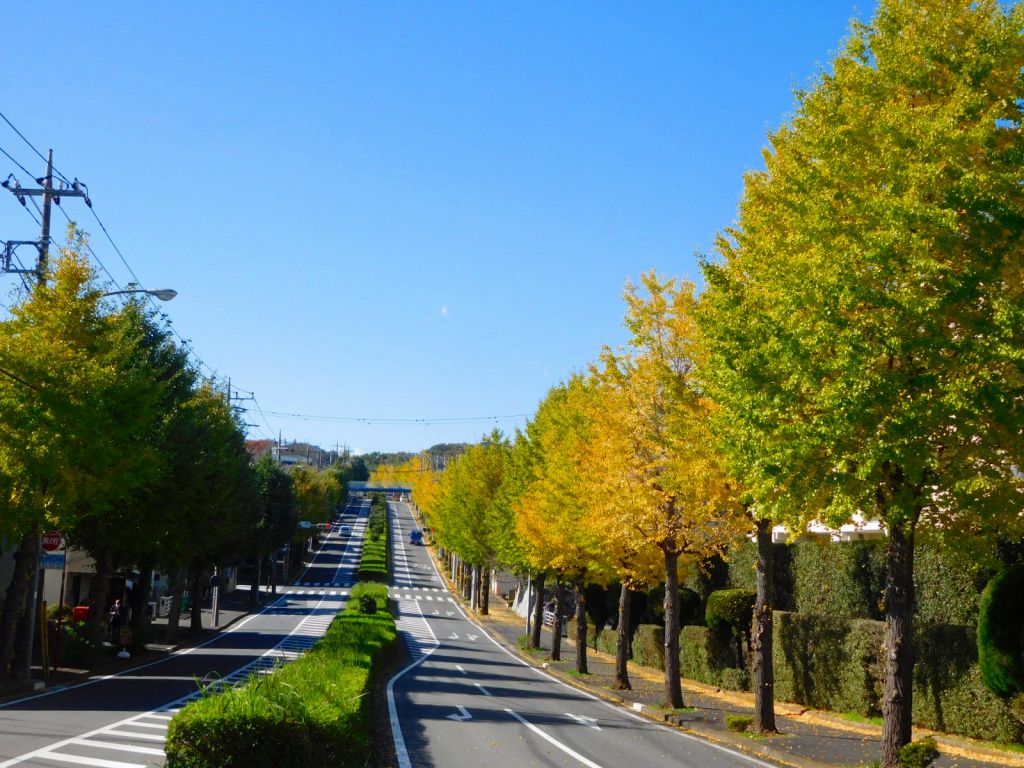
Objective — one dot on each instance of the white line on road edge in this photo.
(553, 740)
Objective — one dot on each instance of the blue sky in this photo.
(423, 213)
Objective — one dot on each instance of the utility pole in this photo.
(50, 195)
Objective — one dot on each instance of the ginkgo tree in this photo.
(555, 516)
(652, 450)
(866, 318)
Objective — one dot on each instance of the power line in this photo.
(11, 158)
(371, 420)
(32, 147)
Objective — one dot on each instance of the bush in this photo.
(828, 662)
(691, 608)
(313, 712)
(709, 657)
(848, 579)
(367, 604)
(76, 649)
(649, 646)
(919, 754)
(738, 723)
(837, 664)
(1001, 633)
(949, 692)
(733, 608)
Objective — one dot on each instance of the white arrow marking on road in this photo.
(473, 637)
(436, 613)
(590, 722)
(461, 715)
(459, 667)
(453, 636)
(483, 690)
(449, 613)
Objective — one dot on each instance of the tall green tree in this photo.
(867, 317)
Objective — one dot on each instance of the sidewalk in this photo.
(808, 738)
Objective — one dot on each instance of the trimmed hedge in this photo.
(949, 693)
(709, 656)
(373, 566)
(829, 662)
(312, 712)
(649, 646)
(848, 579)
(837, 664)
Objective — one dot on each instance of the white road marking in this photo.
(483, 690)
(552, 740)
(461, 715)
(122, 746)
(590, 722)
(459, 667)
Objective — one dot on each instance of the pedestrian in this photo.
(114, 621)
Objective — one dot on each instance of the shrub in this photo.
(828, 662)
(730, 607)
(76, 649)
(738, 723)
(1001, 633)
(729, 612)
(949, 692)
(709, 656)
(649, 646)
(919, 754)
(367, 604)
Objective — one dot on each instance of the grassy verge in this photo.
(312, 712)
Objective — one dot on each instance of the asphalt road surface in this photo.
(463, 700)
(120, 721)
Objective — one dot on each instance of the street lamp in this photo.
(164, 294)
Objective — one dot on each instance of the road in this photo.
(466, 701)
(120, 721)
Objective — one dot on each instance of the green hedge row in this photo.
(848, 579)
(709, 656)
(374, 563)
(312, 712)
(832, 663)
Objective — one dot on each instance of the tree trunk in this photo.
(581, 630)
(556, 625)
(99, 594)
(485, 590)
(897, 698)
(673, 685)
(621, 682)
(196, 588)
(538, 611)
(761, 634)
(140, 608)
(174, 617)
(16, 601)
(474, 588)
(273, 573)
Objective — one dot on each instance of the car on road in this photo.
(345, 530)
(415, 537)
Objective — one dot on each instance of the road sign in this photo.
(53, 541)
(52, 560)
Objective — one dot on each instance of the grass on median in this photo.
(312, 712)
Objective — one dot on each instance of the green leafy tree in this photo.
(866, 322)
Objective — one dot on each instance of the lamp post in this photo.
(164, 294)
